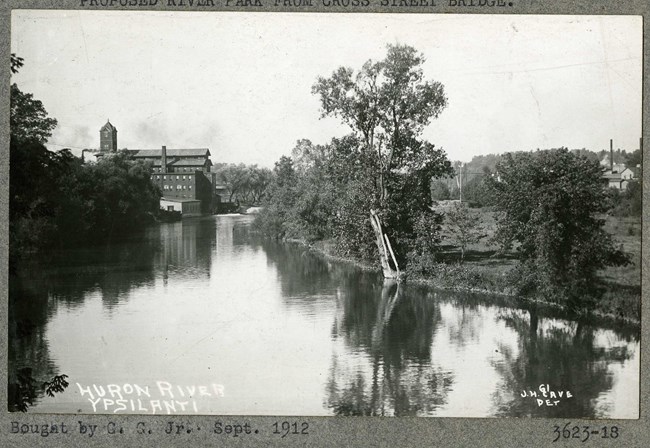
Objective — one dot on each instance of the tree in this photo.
(549, 203)
(35, 179)
(280, 200)
(387, 104)
(244, 182)
(16, 63)
(440, 191)
(463, 227)
(28, 119)
(118, 195)
(475, 192)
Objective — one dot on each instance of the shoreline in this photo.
(321, 248)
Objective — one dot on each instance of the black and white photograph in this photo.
(387, 215)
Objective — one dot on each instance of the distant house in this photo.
(619, 179)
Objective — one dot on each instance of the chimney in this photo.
(611, 155)
(163, 160)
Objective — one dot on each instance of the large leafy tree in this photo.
(28, 118)
(281, 197)
(463, 227)
(55, 200)
(550, 205)
(387, 104)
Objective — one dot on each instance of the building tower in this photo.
(108, 138)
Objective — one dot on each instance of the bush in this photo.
(549, 204)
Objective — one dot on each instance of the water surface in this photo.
(203, 317)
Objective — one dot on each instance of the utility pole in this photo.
(460, 182)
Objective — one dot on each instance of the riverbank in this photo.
(492, 275)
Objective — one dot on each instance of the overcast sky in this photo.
(240, 84)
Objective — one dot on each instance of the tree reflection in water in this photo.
(391, 332)
(29, 355)
(383, 336)
(385, 349)
(37, 290)
(396, 332)
(563, 355)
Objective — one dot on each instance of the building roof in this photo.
(108, 127)
(182, 162)
(195, 152)
(179, 199)
(612, 176)
(191, 162)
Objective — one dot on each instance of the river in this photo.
(204, 317)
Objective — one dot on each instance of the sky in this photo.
(240, 83)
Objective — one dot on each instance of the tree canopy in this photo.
(550, 205)
(28, 118)
(55, 199)
(387, 105)
(245, 183)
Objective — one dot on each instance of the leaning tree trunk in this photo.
(386, 254)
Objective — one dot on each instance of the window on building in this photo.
(164, 177)
(189, 188)
(178, 177)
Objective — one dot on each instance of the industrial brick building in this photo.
(183, 175)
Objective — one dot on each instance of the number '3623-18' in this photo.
(583, 433)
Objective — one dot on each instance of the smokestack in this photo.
(163, 160)
(611, 155)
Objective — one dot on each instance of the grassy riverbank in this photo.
(485, 270)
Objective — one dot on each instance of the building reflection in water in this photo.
(186, 248)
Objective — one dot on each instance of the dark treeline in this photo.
(55, 200)
(323, 193)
